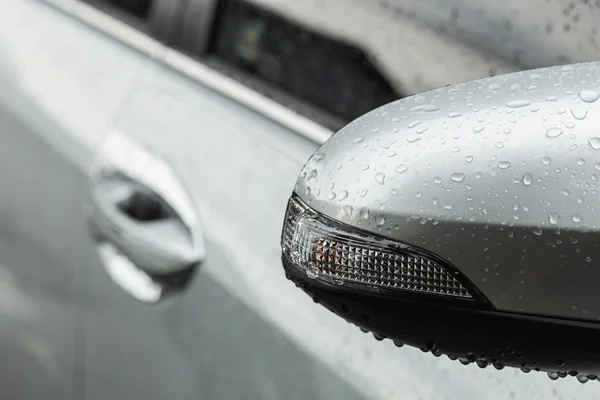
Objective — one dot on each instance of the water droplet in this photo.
(589, 96)
(348, 210)
(365, 167)
(597, 166)
(580, 161)
(392, 154)
(503, 164)
(469, 159)
(364, 193)
(582, 378)
(380, 220)
(435, 201)
(546, 160)
(506, 130)
(437, 180)
(454, 114)
(380, 178)
(553, 218)
(566, 192)
(499, 145)
(537, 231)
(579, 113)
(478, 128)
(457, 177)
(518, 103)
(402, 168)
(494, 86)
(364, 213)
(413, 139)
(576, 218)
(478, 175)
(456, 149)
(358, 140)
(394, 191)
(319, 156)
(331, 196)
(343, 195)
(595, 143)
(414, 123)
(448, 206)
(553, 375)
(527, 179)
(419, 195)
(554, 132)
(425, 108)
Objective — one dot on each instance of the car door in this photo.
(39, 314)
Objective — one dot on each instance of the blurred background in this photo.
(334, 60)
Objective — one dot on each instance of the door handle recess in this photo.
(144, 221)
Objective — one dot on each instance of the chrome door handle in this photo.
(140, 213)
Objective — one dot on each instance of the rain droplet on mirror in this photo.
(425, 108)
(589, 96)
(457, 177)
(579, 113)
(402, 168)
(594, 142)
(554, 132)
(364, 213)
(518, 103)
(503, 164)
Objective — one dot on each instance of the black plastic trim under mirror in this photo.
(463, 330)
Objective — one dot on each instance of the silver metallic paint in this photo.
(449, 169)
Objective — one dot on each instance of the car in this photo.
(89, 311)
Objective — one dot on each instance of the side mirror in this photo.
(463, 221)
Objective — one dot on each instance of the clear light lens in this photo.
(330, 251)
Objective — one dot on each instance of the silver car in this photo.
(149, 151)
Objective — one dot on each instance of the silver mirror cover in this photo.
(499, 179)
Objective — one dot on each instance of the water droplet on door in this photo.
(576, 218)
(380, 178)
(437, 180)
(358, 140)
(546, 160)
(589, 96)
(469, 159)
(537, 231)
(343, 195)
(478, 128)
(494, 86)
(527, 179)
(503, 164)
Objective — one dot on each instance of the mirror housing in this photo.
(485, 188)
